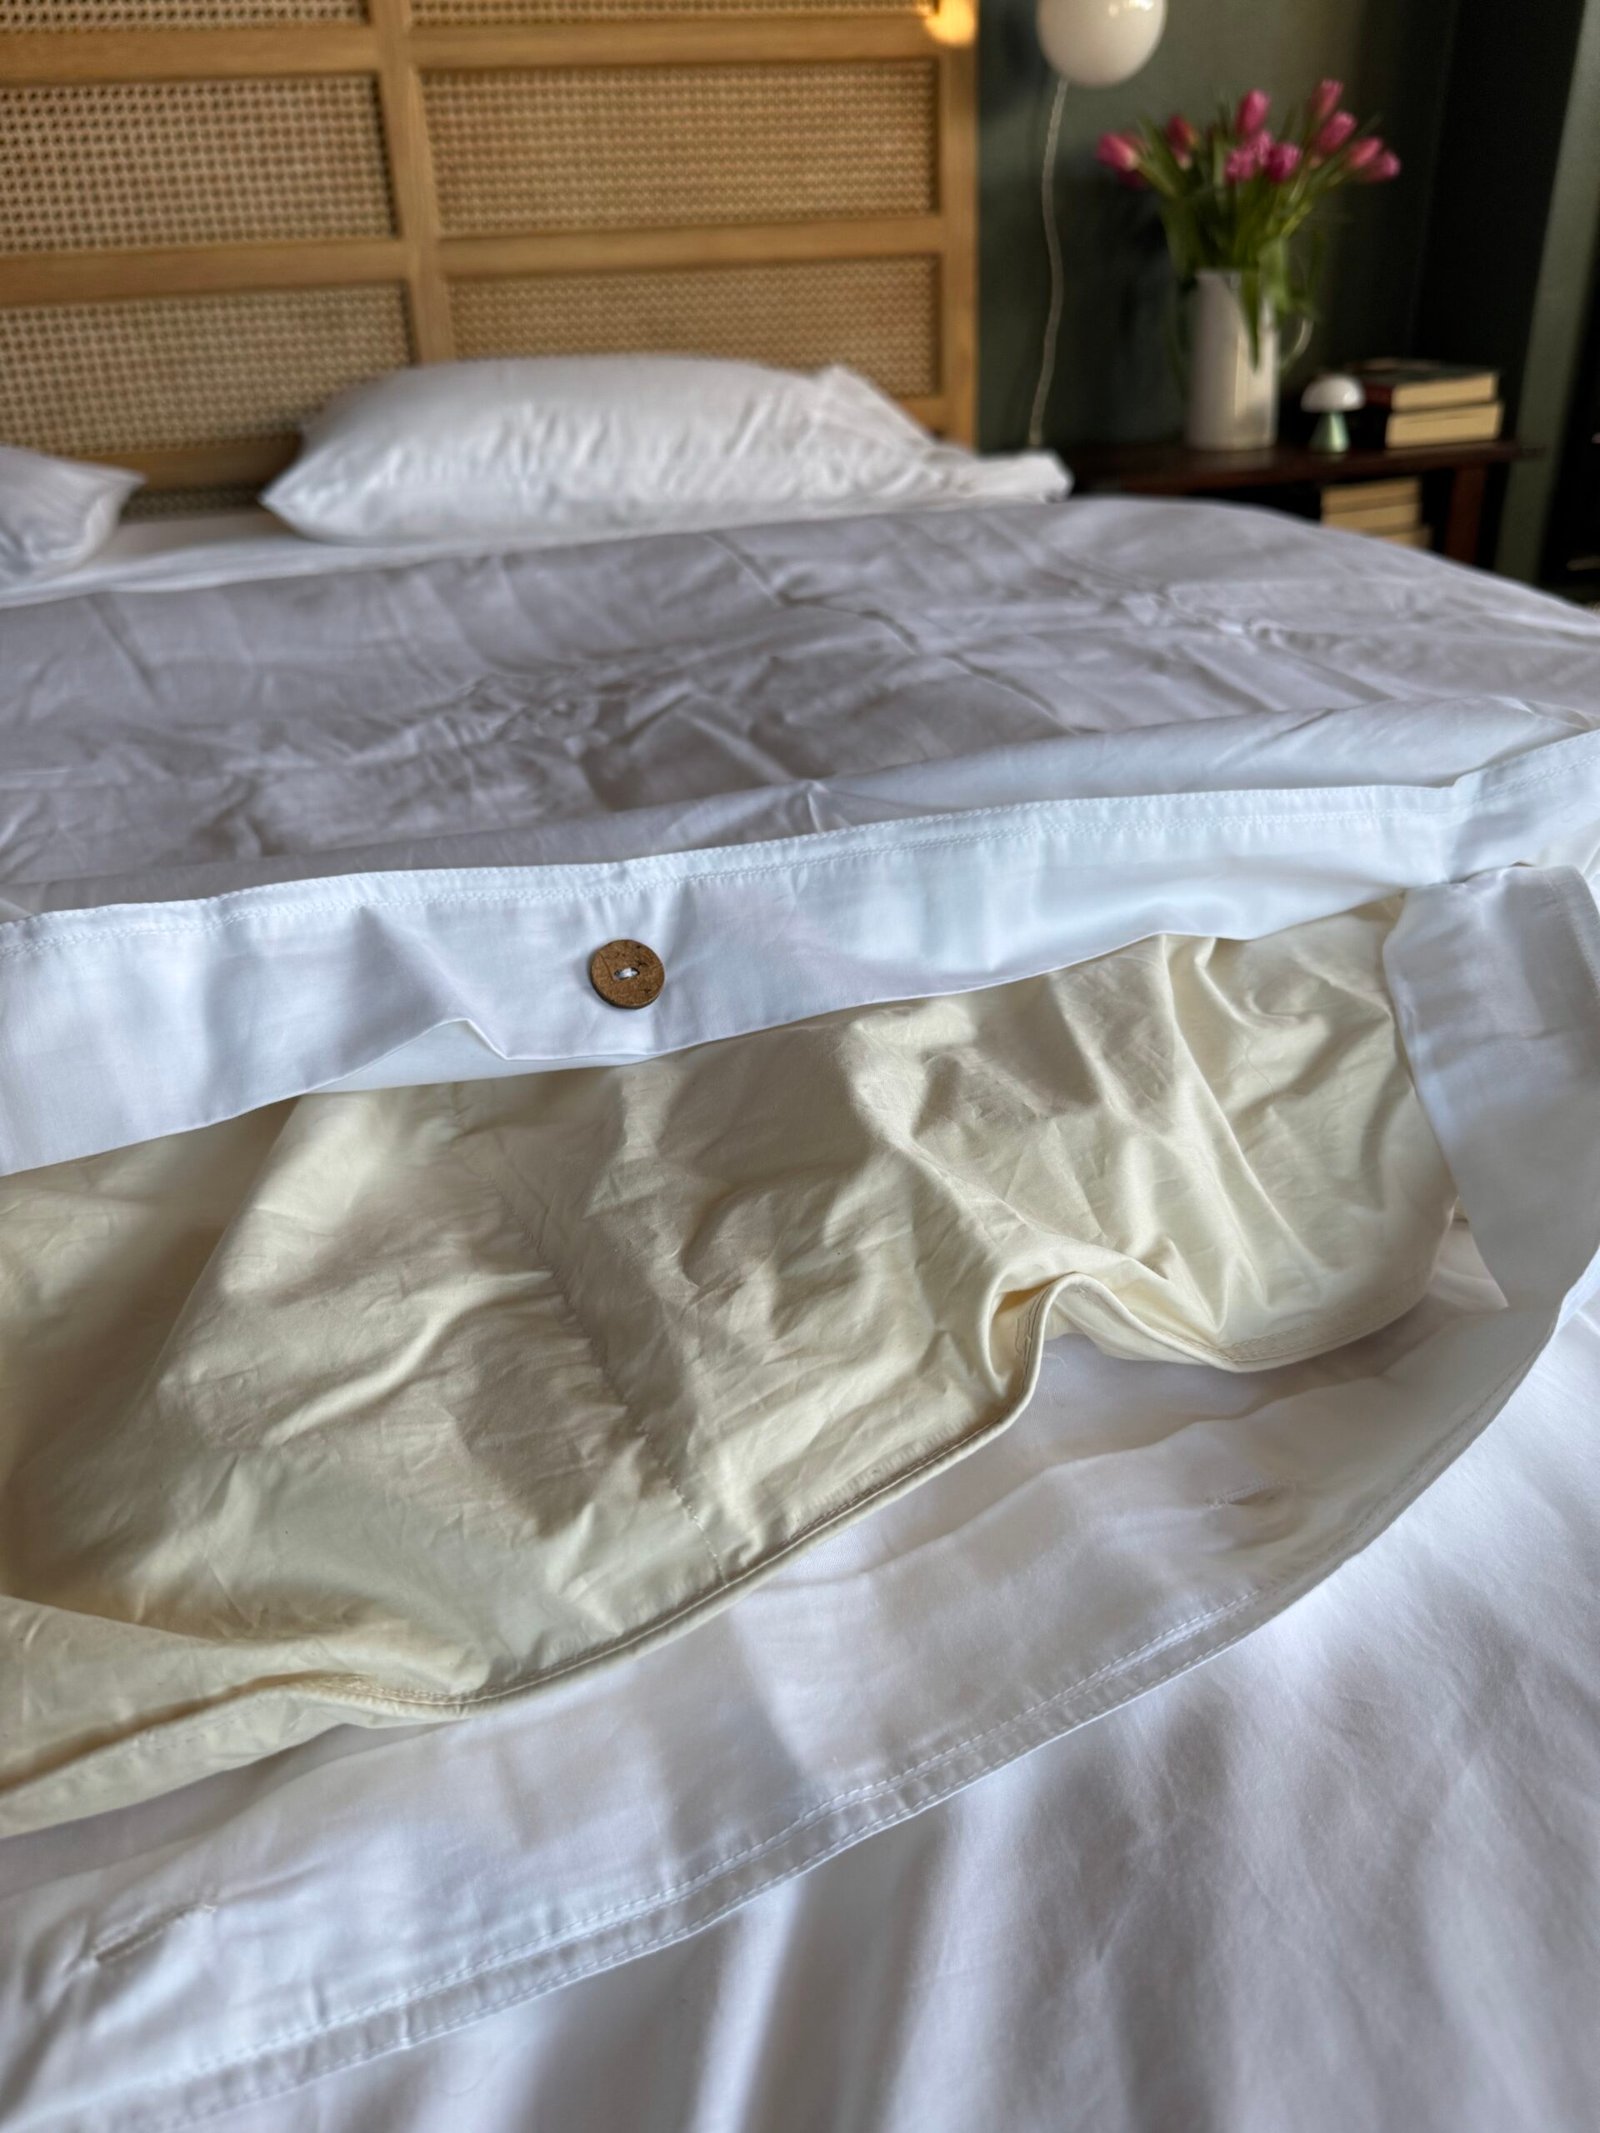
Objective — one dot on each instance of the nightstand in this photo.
(1290, 477)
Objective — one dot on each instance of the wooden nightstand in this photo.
(1289, 477)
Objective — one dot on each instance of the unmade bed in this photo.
(1094, 1226)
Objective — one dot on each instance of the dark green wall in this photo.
(1114, 380)
(1512, 244)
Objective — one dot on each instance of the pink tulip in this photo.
(1183, 139)
(1380, 172)
(1118, 151)
(1242, 165)
(1252, 113)
(1363, 153)
(1335, 133)
(1324, 101)
(1281, 162)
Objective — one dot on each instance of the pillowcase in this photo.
(55, 513)
(565, 448)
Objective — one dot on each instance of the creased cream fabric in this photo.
(378, 1406)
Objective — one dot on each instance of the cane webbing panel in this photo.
(191, 162)
(506, 12)
(171, 14)
(644, 147)
(179, 503)
(87, 378)
(878, 315)
(215, 213)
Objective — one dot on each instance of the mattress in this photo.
(825, 770)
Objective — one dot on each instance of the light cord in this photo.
(1052, 240)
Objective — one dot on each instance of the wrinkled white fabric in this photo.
(376, 702)
(124, 1022)
(471, 717)
(262, 1934)
(54, 513)
(1346, 1874)
(237, 1943)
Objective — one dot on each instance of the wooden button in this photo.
(626, 973)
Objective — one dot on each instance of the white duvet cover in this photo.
(281, 699)
(285, 882)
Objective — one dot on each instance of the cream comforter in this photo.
(382, 1406)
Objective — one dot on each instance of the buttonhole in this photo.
(113, 1950)
(1257, 1495)
(628, 970)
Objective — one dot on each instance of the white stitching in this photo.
(113, 1951)
(627, 873)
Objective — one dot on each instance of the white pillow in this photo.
(566, 448)
(55, 513)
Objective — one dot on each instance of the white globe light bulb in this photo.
(1095, 43)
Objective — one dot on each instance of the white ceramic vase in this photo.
(1233, 401)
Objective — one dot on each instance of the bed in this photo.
(1139, 1725)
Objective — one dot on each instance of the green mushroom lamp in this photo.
(1331, 399)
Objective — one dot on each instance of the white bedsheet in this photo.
(233, 1944)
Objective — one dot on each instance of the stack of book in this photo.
(1388, 510)
(1428, 403)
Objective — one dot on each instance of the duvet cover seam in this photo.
(1443, 815)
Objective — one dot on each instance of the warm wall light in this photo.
(953, 22)
(1096, 43)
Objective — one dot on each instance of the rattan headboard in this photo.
(213, 213)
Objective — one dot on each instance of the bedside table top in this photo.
(1179, 470)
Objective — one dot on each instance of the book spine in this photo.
(1478, 424)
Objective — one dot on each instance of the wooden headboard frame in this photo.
(777, 112)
